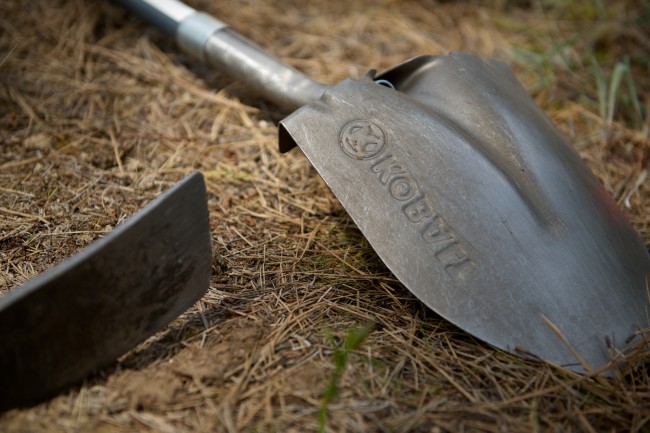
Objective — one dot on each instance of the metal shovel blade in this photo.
(474, 200)
(102, 302)
(464, 188)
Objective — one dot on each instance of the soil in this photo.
(100, 113)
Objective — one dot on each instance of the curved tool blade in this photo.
(464, 188)
(102, 302)
(474, 200)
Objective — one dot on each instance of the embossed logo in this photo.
(436, 233)
(365, 140)
(362, 139)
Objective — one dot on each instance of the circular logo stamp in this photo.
(362, 139)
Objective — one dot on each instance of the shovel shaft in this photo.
(210, 41)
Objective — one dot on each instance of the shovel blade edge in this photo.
(478, 205)
(96, 306)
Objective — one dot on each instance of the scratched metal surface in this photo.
(475, 201)
(102, 302)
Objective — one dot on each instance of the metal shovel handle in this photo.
(211, 41)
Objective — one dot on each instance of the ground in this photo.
(99, 113)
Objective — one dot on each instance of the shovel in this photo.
(102, 302)
(464, 188)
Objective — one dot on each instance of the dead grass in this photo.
(99, 113)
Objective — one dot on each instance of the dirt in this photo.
(210, 364)
(100, 113)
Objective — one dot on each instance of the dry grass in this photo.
(99, 113)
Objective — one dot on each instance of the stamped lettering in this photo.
(365, 140)
(419, 209)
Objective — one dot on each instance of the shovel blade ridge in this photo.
(474, 200)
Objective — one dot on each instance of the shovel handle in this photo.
(211, 41)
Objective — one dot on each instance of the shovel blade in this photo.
(89, 310)
(474, 200)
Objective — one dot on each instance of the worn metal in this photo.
(475, 201)
(102, 302)
(263, 73)
(469, 194)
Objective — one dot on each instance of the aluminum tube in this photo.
(164, 14)
(190, 28)
(210, 41)
(267, 75)
(194, 31)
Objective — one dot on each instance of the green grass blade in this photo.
(614, 84)
(353, 341)
(636, 105)
(601, 85)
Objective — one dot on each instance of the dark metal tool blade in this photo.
(85, 313)
(471, 196)
(464, 188)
